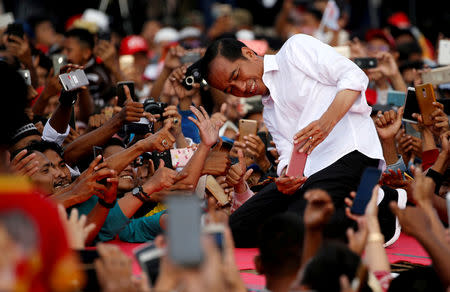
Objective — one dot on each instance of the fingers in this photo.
(161, 164)
(88, 229)
(62, 212)
(248, 174)
(394, 208)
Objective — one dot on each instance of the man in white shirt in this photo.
(312, 95)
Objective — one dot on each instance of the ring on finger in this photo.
(175, 120)
(164, 143)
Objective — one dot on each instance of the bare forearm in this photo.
(375, 253)
(389, 151)
(441, 163)
(159, 84)
(129, 204)
(82, 146)
(397, 82)
(427, 140)
(60, 118)
(121, 160)
(312, 242)
(86, 104)
(195, 165)
(340, 106)
(97, 216)
(440, 205)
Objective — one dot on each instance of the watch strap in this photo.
(107, 205)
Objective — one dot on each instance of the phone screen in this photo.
(411, 106)
(369, 179)
(148, 257)
(121, 92)
(184, 230)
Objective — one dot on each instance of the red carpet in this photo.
(405, 249)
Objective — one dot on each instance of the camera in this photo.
(155, 107)
(193, 75)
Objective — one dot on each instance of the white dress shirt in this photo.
(303, 79)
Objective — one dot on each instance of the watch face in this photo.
(135, 191)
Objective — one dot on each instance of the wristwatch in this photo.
(139, 193)
(107, 205)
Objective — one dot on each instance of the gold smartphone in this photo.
(247, 127)
(425, 98)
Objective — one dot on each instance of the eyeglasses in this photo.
(373, 48)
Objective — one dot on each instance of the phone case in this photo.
(369, 179)
(181, 156)
(425, 98)
(216, 190)
(247, 127)
(297, 163)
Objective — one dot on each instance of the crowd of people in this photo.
(98, 163)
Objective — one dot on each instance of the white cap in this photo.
(151, 72)
(97, 17)
(166, 34)
(189, 32)
(245, 34)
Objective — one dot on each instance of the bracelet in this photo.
(375, 237)
(68, 98)
(107, 205)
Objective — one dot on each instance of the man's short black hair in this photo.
(42, 146)
(280, 244)
(229, 48)
(83, 36)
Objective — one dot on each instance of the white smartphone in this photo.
(448, 206)
(444, 52)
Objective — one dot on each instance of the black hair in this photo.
(280, 243)
(333, 259)
(35, 20)
(14, 101)
(44, 61)
(407, 49)
(114, 142)
(417, 280)
(83, 36)
(229, 48)
(42, 146)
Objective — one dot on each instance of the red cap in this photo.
(380, 34)
(400, 20)
(133, 44)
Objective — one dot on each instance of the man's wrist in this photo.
(264, 163)
(107, 204)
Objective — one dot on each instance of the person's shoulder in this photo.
(298, 41)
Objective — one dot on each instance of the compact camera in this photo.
(193, 75)
(155, 107)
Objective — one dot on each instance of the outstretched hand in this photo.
(209, 130)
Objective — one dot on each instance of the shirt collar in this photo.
(270, 63)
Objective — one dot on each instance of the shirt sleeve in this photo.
(239, 199)
(322, 63)
(142, 229)
(51, 135)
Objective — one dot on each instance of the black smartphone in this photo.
(121, 92)
(87, 258)
(411, 106)
(99, 151)
(15, 29)
(184, 222)
(148, 257)
(138, 128)
(369, 179)
(366, 63)
(165, 156)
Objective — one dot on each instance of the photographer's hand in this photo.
(132, 111)
(176, 79)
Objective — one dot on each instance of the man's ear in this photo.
(248, 53)
(258, 265)
(87, 53)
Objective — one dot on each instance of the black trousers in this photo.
(338, 179)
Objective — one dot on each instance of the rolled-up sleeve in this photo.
(51, 135)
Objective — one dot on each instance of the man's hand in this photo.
(160, 141)
(24, 166)
(439, 120)
(19, 48)
(386, 65)
(319, 210)
(217, 163)
(238, 174)
(256, 148)
(413, 220)
(388, 123)
(209, 131)
(132, 111)
(312, 135)
(172, 60)
(394, 179)
(162, 178)
(219, 117)
(76, 229)
(171, 114)
(176, 79)
(107, 52)
(423, 189)
(289, 184)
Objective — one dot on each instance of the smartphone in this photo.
(15, 29)
(99, 151)
(425, 98)
(444, 52)
(343, 50)
(216, 190)
(297, 162)
(437, 76)
(411, 106)
(410, 130)
(138, 128)
(73, 80)
(190, 57)
(181, 156)
(126, 61)
(26, 76)
(396, 98)
(448, 206)
(5, 19)
(184, 230)
(59, 61)
(366, 63)
(247, 127)
(369, 179)
(216, 231)
(87, 259)
(148, 257)
(121, 92)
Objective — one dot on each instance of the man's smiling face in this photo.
(242, 77)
